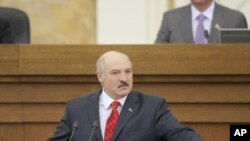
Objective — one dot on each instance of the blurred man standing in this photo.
(199, 22)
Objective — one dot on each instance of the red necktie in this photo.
(111, 122)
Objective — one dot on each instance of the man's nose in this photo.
(123, 76)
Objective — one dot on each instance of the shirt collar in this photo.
(208, 12)
(106, 100)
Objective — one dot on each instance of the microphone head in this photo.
(95, 124)
(76, 124)
(206, 34)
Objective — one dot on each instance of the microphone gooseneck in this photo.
(94, 127)
(74, 127)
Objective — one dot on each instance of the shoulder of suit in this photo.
(228, 11)
(86, 97)
(179, 10)
(147, 96)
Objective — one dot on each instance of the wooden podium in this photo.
(207, 87)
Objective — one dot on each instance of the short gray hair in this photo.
(100, 63)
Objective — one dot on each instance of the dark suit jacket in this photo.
(147, 120)
(5, 35)
(176, 26)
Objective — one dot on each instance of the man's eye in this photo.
(128, 71)
(115, 72)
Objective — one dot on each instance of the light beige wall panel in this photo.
(59, 21)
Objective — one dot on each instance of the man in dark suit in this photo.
(180, 25)
(5, 36)
(117, 113)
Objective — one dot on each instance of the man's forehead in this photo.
(119, 61)
(120, 69)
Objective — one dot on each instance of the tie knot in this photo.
(115, 104)
(201, 17)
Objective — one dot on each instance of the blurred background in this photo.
(101, 21)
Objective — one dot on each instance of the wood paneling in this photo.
(198, 92)
(38, 131)
(9, 59)
(42, 112)
(10, 93)
(55, 92)
(172, 59)
(11, 113)
(211, 113)
(12, 132)
(206, 87)
(212, 132)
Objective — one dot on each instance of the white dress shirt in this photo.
(105, 108)
(207, 22)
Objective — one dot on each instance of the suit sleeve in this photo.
(63, 131)
(168, 128)
(164, 32)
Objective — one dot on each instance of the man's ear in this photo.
(100, 77)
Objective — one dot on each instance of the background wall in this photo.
(128, 21)
(101, 21)
(59, 21)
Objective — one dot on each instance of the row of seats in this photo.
(19, 24)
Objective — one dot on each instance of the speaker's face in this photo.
(117, 76)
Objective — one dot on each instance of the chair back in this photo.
(19, 24)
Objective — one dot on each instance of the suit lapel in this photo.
(129, 108)
(93, 113)
(217, 23)
(186, 24)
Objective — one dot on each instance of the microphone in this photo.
(206, 34)
(94, 126)
(75, 126)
